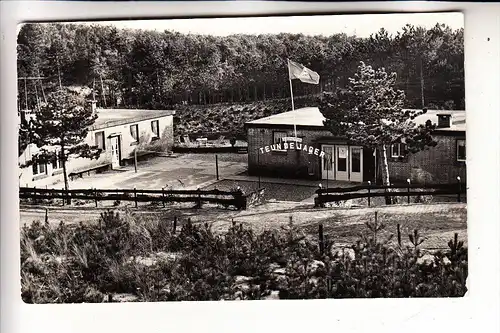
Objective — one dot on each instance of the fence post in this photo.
(399, 234)
(135, 196)
(317, 200)
(34, 195)
(459, 189)
(95, 196)
(217, 166)
(408, 181)
(199, 197)
(321, 239)
(63, 196)
(369, 193)
(46, 215)
(163, 196)
(175, 224)
(242, 199)
(67, 194)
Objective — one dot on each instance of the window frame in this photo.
(136, 126)
(37, 170)
(392, 150)
(458, 159)
(56, 162)
(103, 140)
(400, 150)
(157, 122)
(279, 141)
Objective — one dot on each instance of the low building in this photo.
(118, 132)
(316, 154)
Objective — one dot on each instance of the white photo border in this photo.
(477, 310)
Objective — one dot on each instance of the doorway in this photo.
(115, 152)
(327, 163)
(342, 172)
(342, 162)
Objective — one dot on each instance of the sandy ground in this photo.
(185, 171)
(436, 222)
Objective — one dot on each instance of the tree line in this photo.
(151, 69)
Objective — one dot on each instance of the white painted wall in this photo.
(52, 176)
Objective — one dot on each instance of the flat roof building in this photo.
(117, 132)
(317, 154)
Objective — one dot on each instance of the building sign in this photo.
(342, 152)
(291, 139)
(297, 146)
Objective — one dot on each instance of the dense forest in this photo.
(150, 69)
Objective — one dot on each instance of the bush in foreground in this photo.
(147, 260)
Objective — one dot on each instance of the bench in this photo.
(141, 155)
(95, 169)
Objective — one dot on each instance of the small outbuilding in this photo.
(274, 151)
(118, 132)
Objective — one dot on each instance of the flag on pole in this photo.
(304, 74)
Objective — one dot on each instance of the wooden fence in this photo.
(338, 194)
(226, 198)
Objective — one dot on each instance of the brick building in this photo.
(316, 154)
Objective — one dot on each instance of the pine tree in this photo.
(369, 112)
(60, 127)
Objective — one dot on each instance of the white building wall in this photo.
(128, 144)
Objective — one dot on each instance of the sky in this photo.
(359, 25)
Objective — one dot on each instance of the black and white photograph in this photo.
(243, 158)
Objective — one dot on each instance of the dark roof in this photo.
(116, 117)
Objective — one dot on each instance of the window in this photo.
(56, 162)
(134, 131)
(355, 159)
(99, 140)
(278, 139)
(278, 136)
(397, 150)
(155, 128)
(39, 169)
(461, 150)
(328, 158)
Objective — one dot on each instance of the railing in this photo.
(338, 194)
(226, 198)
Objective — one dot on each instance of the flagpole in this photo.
(291, 95)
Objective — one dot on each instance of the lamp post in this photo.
(135, 160)
(258, 167)
(369, 193)
(408, 181)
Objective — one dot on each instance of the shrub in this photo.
(125, 253)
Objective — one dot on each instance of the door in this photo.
(341, 161)
(115, 152)
(356, 164)
(327, 163)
